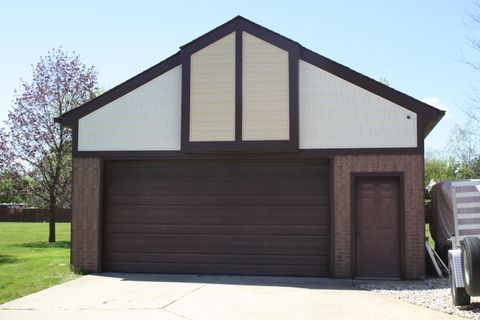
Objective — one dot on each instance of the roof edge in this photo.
(68, 118)
(432, 124)
(425, 110)
(236, 21)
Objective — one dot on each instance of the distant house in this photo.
(12, 205)
(246, 153)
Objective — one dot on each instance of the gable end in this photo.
(255, 122)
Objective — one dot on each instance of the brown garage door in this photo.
(251, 217)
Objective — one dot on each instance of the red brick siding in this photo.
(86, 206)
(414, 215)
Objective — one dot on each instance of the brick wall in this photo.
(414, 220)
(86, 206)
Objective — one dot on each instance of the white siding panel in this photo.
(265, 91)
(212, 92)
(147, 118)
(335, 113)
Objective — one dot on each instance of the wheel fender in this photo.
(455, 255)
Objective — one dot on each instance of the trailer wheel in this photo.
(460, 296)
(471, 265)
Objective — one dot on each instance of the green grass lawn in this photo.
(428, 235)
(28, 263)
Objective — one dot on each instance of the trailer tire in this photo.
(470, 248)
(460, 296)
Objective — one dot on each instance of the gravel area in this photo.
(431, 293)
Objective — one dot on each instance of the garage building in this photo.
(248, 154)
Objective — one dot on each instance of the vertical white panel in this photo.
(335, 113)
(212, 92)
(147, 118)
(265, 91)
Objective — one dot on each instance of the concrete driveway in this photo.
(176, 297)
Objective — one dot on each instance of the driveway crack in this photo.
(186, 294)
(177, 314)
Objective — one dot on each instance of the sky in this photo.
(419, 46)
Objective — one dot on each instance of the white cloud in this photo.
(435, 102)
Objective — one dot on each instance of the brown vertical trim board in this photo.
(420, 135)
(293, 61)
(185, 122)
(238, 85)
(354, 176)
(75, 138)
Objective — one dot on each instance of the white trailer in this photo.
(464, 257)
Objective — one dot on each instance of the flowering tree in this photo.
(4, 154)
(34, 145)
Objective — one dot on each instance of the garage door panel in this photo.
(218, 244)
(286, 200)
(255, 269)
(217, 216)
(218, 188)
(196, 258)
(231, 229)
(140, 181)
(220, 168)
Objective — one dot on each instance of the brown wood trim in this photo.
(238, 85)
(400, 177)
(420, 136)
(185, 114)
(211, 36)
(294, 87)
(263, 149)
(244, 24)
(242, 146)
(75, 137)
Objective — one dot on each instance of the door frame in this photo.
(354, 176)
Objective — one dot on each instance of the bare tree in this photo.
(37, 147)
(473, 111)
(464, 146)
